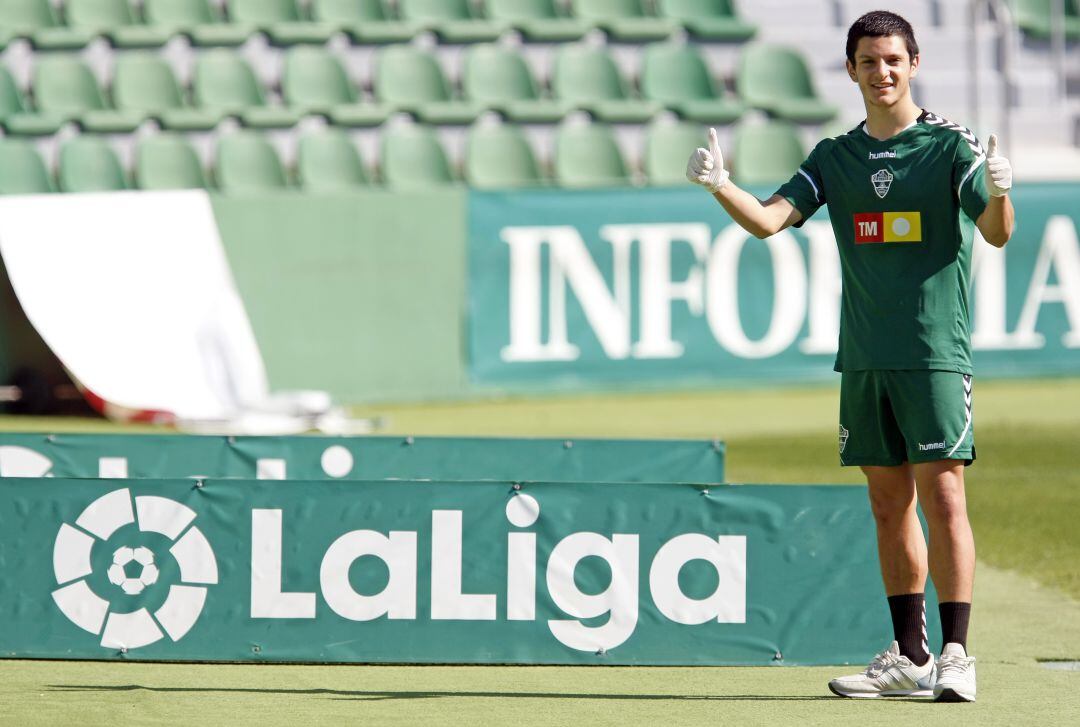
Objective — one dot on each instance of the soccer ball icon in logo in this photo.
(133, 569)
(148, 574)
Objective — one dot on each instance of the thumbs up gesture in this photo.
(998, 170)
(706, 166)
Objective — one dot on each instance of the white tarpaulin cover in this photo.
(133, 293)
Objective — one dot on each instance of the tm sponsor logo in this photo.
(931, 446)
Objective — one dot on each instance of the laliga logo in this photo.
(99, 521)
(22, 462)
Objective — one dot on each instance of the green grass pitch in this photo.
(1024, 499)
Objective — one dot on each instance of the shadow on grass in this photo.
(364, 695)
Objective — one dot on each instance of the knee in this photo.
(889, 508)
(945, 505)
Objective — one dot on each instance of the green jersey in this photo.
(902, 211)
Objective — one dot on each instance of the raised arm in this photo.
(759, 218)
(997, 220)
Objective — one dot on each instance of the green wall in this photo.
(332, 284)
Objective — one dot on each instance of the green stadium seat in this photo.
(64, 84)
(412, 80)
(623, 19)
(315, 82)
(708, 19)
(263, 13)
(246, 162)
(15, 114)
(366, 21)
(88, 164)
(21, 169)
(453, 21)
(766, 153)
(776, 79)
(65, 88)
(1035, 18)
(677, 77)
(588, 156)
(165, 161)
(538, 20)
(280, 19)
(38, 21)
(313, 79)
(588, 78)
(144, 83)
(115, 20)
(179, 13)
(223, 80)
(327, 161)
(413, 158)
(498, 78)
(23, 17)
(667, 147)
(32, 123)
(225, 83)
(11, 98)
(197, 19)
(498, 156)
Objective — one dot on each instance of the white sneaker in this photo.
(955, 675)
(889, 675)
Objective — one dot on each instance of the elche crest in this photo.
(882, 181)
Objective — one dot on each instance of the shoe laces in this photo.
(883, 661)
(952, 666)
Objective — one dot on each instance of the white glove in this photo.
(998, 170)
(706, 166)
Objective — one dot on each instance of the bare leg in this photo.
(952, 545)
(901, 545)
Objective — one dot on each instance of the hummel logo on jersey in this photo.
(888, 227)
(882, 155)
(932, 446)
(882, 180)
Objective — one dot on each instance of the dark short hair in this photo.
(879, 24)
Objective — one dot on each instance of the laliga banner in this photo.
(658, 285)
(437, 572)
(360, 458)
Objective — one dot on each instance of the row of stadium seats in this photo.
(152, 22)
(496, 155)
(1036, 17)
(407, 79)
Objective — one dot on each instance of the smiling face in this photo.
(883, 69)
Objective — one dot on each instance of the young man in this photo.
(902, 189)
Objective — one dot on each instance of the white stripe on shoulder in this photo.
(971, 170)
(817, 193)
(965, 133)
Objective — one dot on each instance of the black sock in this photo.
(954, 622)
(909, 626)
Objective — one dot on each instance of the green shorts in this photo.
(891, 417)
